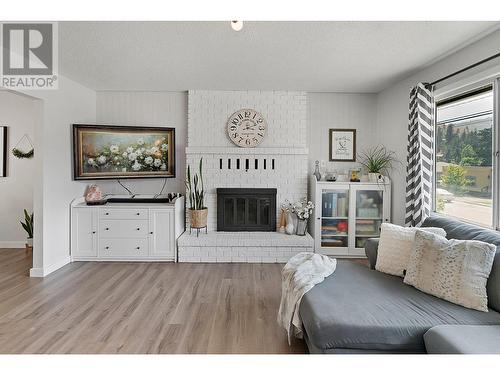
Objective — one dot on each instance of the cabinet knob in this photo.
(150, 232)
(138, 213)
(107, 213)
(93, 232)
(107, 247)
(107, 228)
(138, 247)
(138, 228)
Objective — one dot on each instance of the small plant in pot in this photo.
(378, 162)
(196, 194)
(28, 227)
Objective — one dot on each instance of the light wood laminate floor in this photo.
(88, 307)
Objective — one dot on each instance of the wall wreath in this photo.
(19, 153)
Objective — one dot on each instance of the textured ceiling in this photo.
(311, 56)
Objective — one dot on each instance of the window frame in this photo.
(442, 96)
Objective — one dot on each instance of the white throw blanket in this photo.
(300, 274)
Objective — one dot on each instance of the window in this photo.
(463, 159)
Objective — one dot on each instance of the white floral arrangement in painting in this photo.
(138, 156)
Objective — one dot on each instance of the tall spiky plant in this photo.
(378, 160)
(28, 223)
(195, 190)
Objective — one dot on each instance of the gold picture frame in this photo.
(122, 152)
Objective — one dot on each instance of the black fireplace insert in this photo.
(246, 209)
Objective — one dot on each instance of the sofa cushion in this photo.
(463, 339)
(395, 247)
(463, 231)
(359, 308)
(455, 270)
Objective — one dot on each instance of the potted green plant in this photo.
(196, 194)
(28, 227)
(378, 161)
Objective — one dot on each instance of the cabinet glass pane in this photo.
(334, 218)
(369, 213)
(335, 204)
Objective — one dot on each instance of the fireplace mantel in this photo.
(248, 151)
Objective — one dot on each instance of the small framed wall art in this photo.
(342, 145)
(3, 151)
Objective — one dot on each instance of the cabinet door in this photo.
(332, 219)
(369, 211)
(161, 224)
(83, 232)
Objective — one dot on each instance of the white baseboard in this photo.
(12, 244)
(42, 272)
(36, 272)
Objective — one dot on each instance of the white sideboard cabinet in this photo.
(126, 231)
(346, 214)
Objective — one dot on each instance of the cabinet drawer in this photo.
(123, 228)
(124, 213)
(118, 247)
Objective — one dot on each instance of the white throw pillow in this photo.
(395, 246)
(454, 270)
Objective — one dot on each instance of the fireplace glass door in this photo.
(246, 209)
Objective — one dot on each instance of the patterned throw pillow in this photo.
(395, 246)
(454, 270)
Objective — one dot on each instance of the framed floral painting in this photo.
(107, 152)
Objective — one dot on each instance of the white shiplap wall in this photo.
(342, 111)
(147, 109)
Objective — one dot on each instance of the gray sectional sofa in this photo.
(360, 310)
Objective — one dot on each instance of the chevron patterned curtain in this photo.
(420, 156)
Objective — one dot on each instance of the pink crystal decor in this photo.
(93, 193)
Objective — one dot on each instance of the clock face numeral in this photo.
(246, 128)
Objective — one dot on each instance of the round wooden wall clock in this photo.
(246, 128)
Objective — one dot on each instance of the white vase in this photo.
(290, 228)
(375, 177)
(29, 241)
(372, 177)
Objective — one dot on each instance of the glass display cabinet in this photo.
(346, 214)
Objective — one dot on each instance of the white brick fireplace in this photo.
(280, 162)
